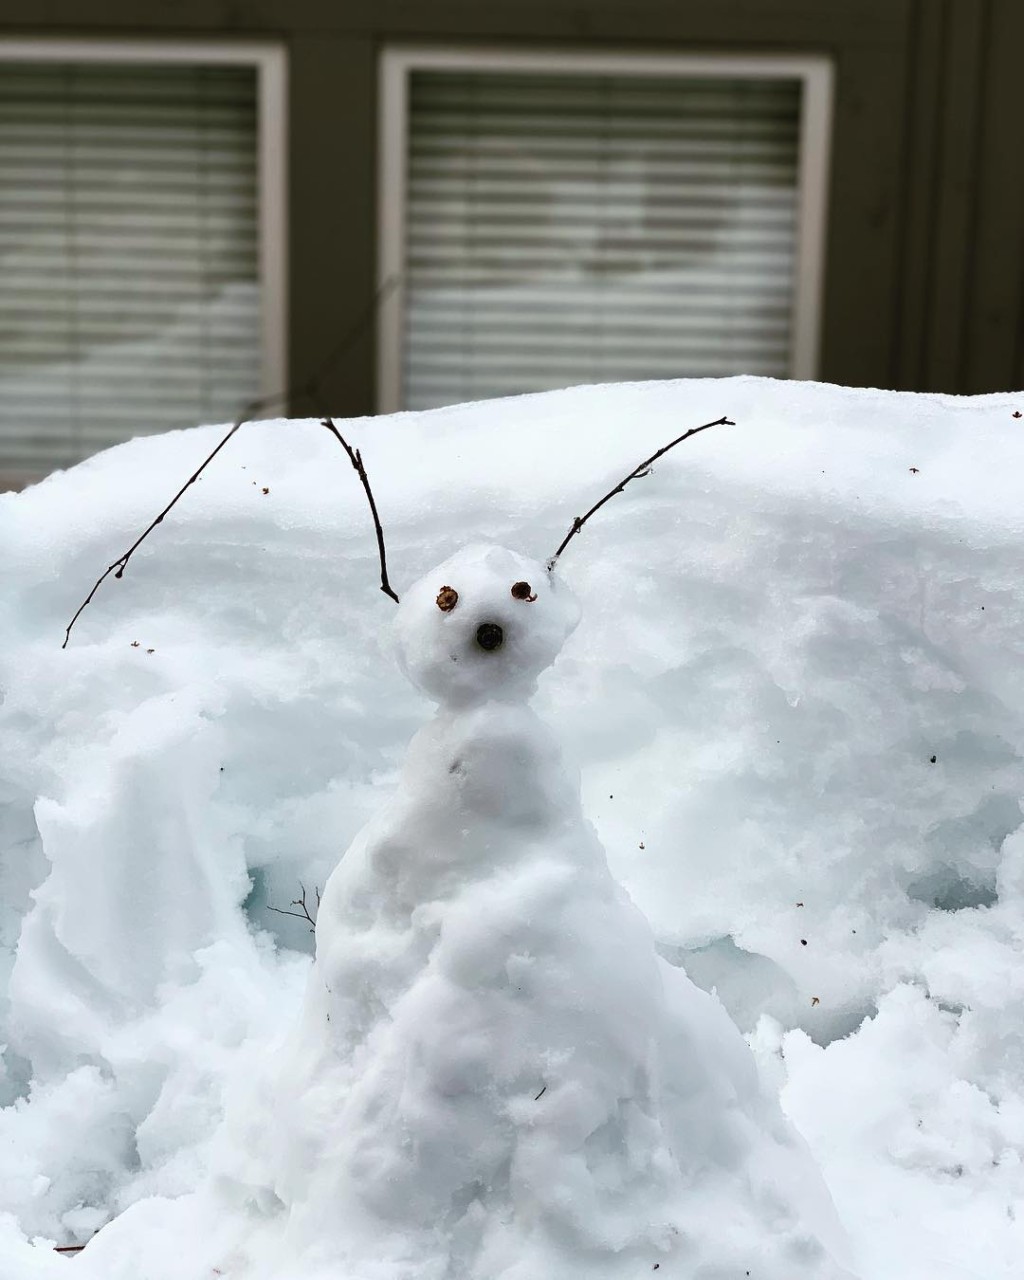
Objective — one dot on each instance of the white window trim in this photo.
(271, 64)
(397, 62)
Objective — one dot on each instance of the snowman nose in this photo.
(489, 636)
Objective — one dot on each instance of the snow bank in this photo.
(795, 696)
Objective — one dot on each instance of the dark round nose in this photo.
(489, 636)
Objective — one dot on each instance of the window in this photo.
(558, 219)
(141, 245)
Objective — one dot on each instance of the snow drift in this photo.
(796, 698)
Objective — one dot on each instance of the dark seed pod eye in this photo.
(523, 591)
(447, 599)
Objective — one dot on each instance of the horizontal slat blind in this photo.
(592, 228)
(129, 290)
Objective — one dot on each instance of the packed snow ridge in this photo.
(796, 699)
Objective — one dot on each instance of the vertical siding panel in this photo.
(955, 206)
(332, 229)
(995, 312)
(924, 66)
(866, 202)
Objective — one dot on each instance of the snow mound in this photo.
(797, 704)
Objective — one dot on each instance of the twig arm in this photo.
(356, 458)
(636, 473)
(121, 563)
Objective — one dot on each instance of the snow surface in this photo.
(782, 626)
(494, 1075)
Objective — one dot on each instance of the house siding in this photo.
(924, 274)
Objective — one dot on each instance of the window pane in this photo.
(592, 228)
(129, 289)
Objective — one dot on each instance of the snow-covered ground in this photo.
(796, 698)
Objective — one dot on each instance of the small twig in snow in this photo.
(643, 469)
(303, 912)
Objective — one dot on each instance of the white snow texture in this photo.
(796, 698)
(494, 1074)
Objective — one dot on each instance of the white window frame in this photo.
(398, 62)
(271, 64)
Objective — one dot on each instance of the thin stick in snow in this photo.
(635, 474)
(303, 913)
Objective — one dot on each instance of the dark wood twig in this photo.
(310, 388)
(68, 1248)
(356, 458)
(642, 470)
(121, 563)
(303, 913)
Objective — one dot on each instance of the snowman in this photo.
(494, 1076)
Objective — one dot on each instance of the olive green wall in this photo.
(924, 284)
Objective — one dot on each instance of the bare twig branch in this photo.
(121, 563)
(311, 390)
(303, 912)
(644, 469)
(356, 458)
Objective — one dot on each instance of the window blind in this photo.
(129, 289)
(589, 228)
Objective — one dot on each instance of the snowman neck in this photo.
(503, 699)
(494, 761)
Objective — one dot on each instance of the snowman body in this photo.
(494, 1076)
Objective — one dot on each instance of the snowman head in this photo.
(482, 626)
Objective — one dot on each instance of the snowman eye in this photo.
(523, 591)
(447, 599)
